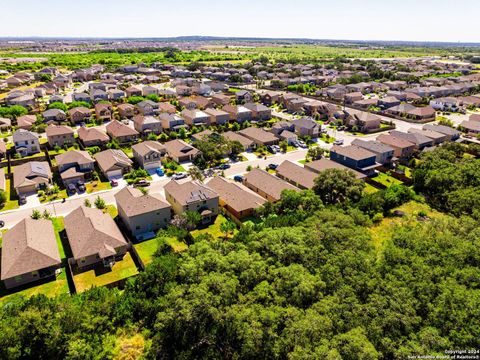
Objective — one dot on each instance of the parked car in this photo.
(238, 178)
(142, 183)
(295, 144)
(71, 189)
(272, 166)
(271, 149)
(338, 142)
(302, 144)
(81, 185)
(224, 166)
(2, 223)
(113, 183)
(22, 200)
(179, 176)
(159, 172)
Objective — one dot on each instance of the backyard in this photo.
(51, 289)
(213, 229)
(387, 180)
(122, 270)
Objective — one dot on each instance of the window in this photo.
(137, 227)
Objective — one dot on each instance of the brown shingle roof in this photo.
(29, 246)
(74, 156)
(189, 192)
(134, 203)
(235, 196)
(112, 158)
(53, 130)
(179, 148)
(116, 129)
(296, 174)
(92, 232)
(259, 135)
(323, 164)
(269, 184)
(91, 134)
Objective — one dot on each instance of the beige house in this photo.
(79, 114)
(192, 196)
(236, 199)
(103, 111)
(147, 124)
(31, 176)
(296, 175)
(126, 110)
(259, 136)
(94, 238)
(266, 185)
(180, 151)
(29, 253)
(92, 136)
(75, 165)
(121, 132)
(59, 135)
(148, 154)
(217, 117)
(143, 215)
(113, 163)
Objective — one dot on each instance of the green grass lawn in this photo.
(12, 201)
(175, 244)
(213, 229)
(62, 194)
(58, 226)
(121, 270)
(51, 289)
(386, 180)
(303, 162)
(112, 210)
(95, 186)
(369, 189)
(146, 249)
(61, 150)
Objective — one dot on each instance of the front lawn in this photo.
(95, 186)
(62, 194)
(122, 270)
(51, 289)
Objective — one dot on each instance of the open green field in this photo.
(121, 270)
(51, 289)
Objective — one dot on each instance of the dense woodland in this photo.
(304, 283)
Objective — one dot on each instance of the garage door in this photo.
(152, 166)
(114, 174)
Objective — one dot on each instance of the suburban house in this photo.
(364, 121)
(259, 136)
(55, 115)
(81, 96)
(98, 95)
(266, 185)
(94, 238)
(402, 149)
(421, 141)
(147, 107)
(115, 94)
(237, 200)
(269, 97)
(180, 151)
(437, 137)
(121, 132)
(449, 132)
(26, 142)
(79, 114)
(75, 165)
(306, 127)
(126, 110)
(238, 113)
(165, 107)
(384, 152)
(103, 111)
(133, 91)
(192, 196)
(143, 214)
(59, 135)
(355, 157)
(472, 125)
(148, 154)
(26, 121)
(171, 121)
(92, 137)
(243, 96)
(296, 175)
(247, 143)
(195, 117)
(220, 99)
(217, 117)
(259, 111)
(323, 164)
(31, 176)
(147, 124)
(113, 163)
(29, 253)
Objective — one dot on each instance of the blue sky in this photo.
(420, 20)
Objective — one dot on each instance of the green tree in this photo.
(335, 186)
(99, 203)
